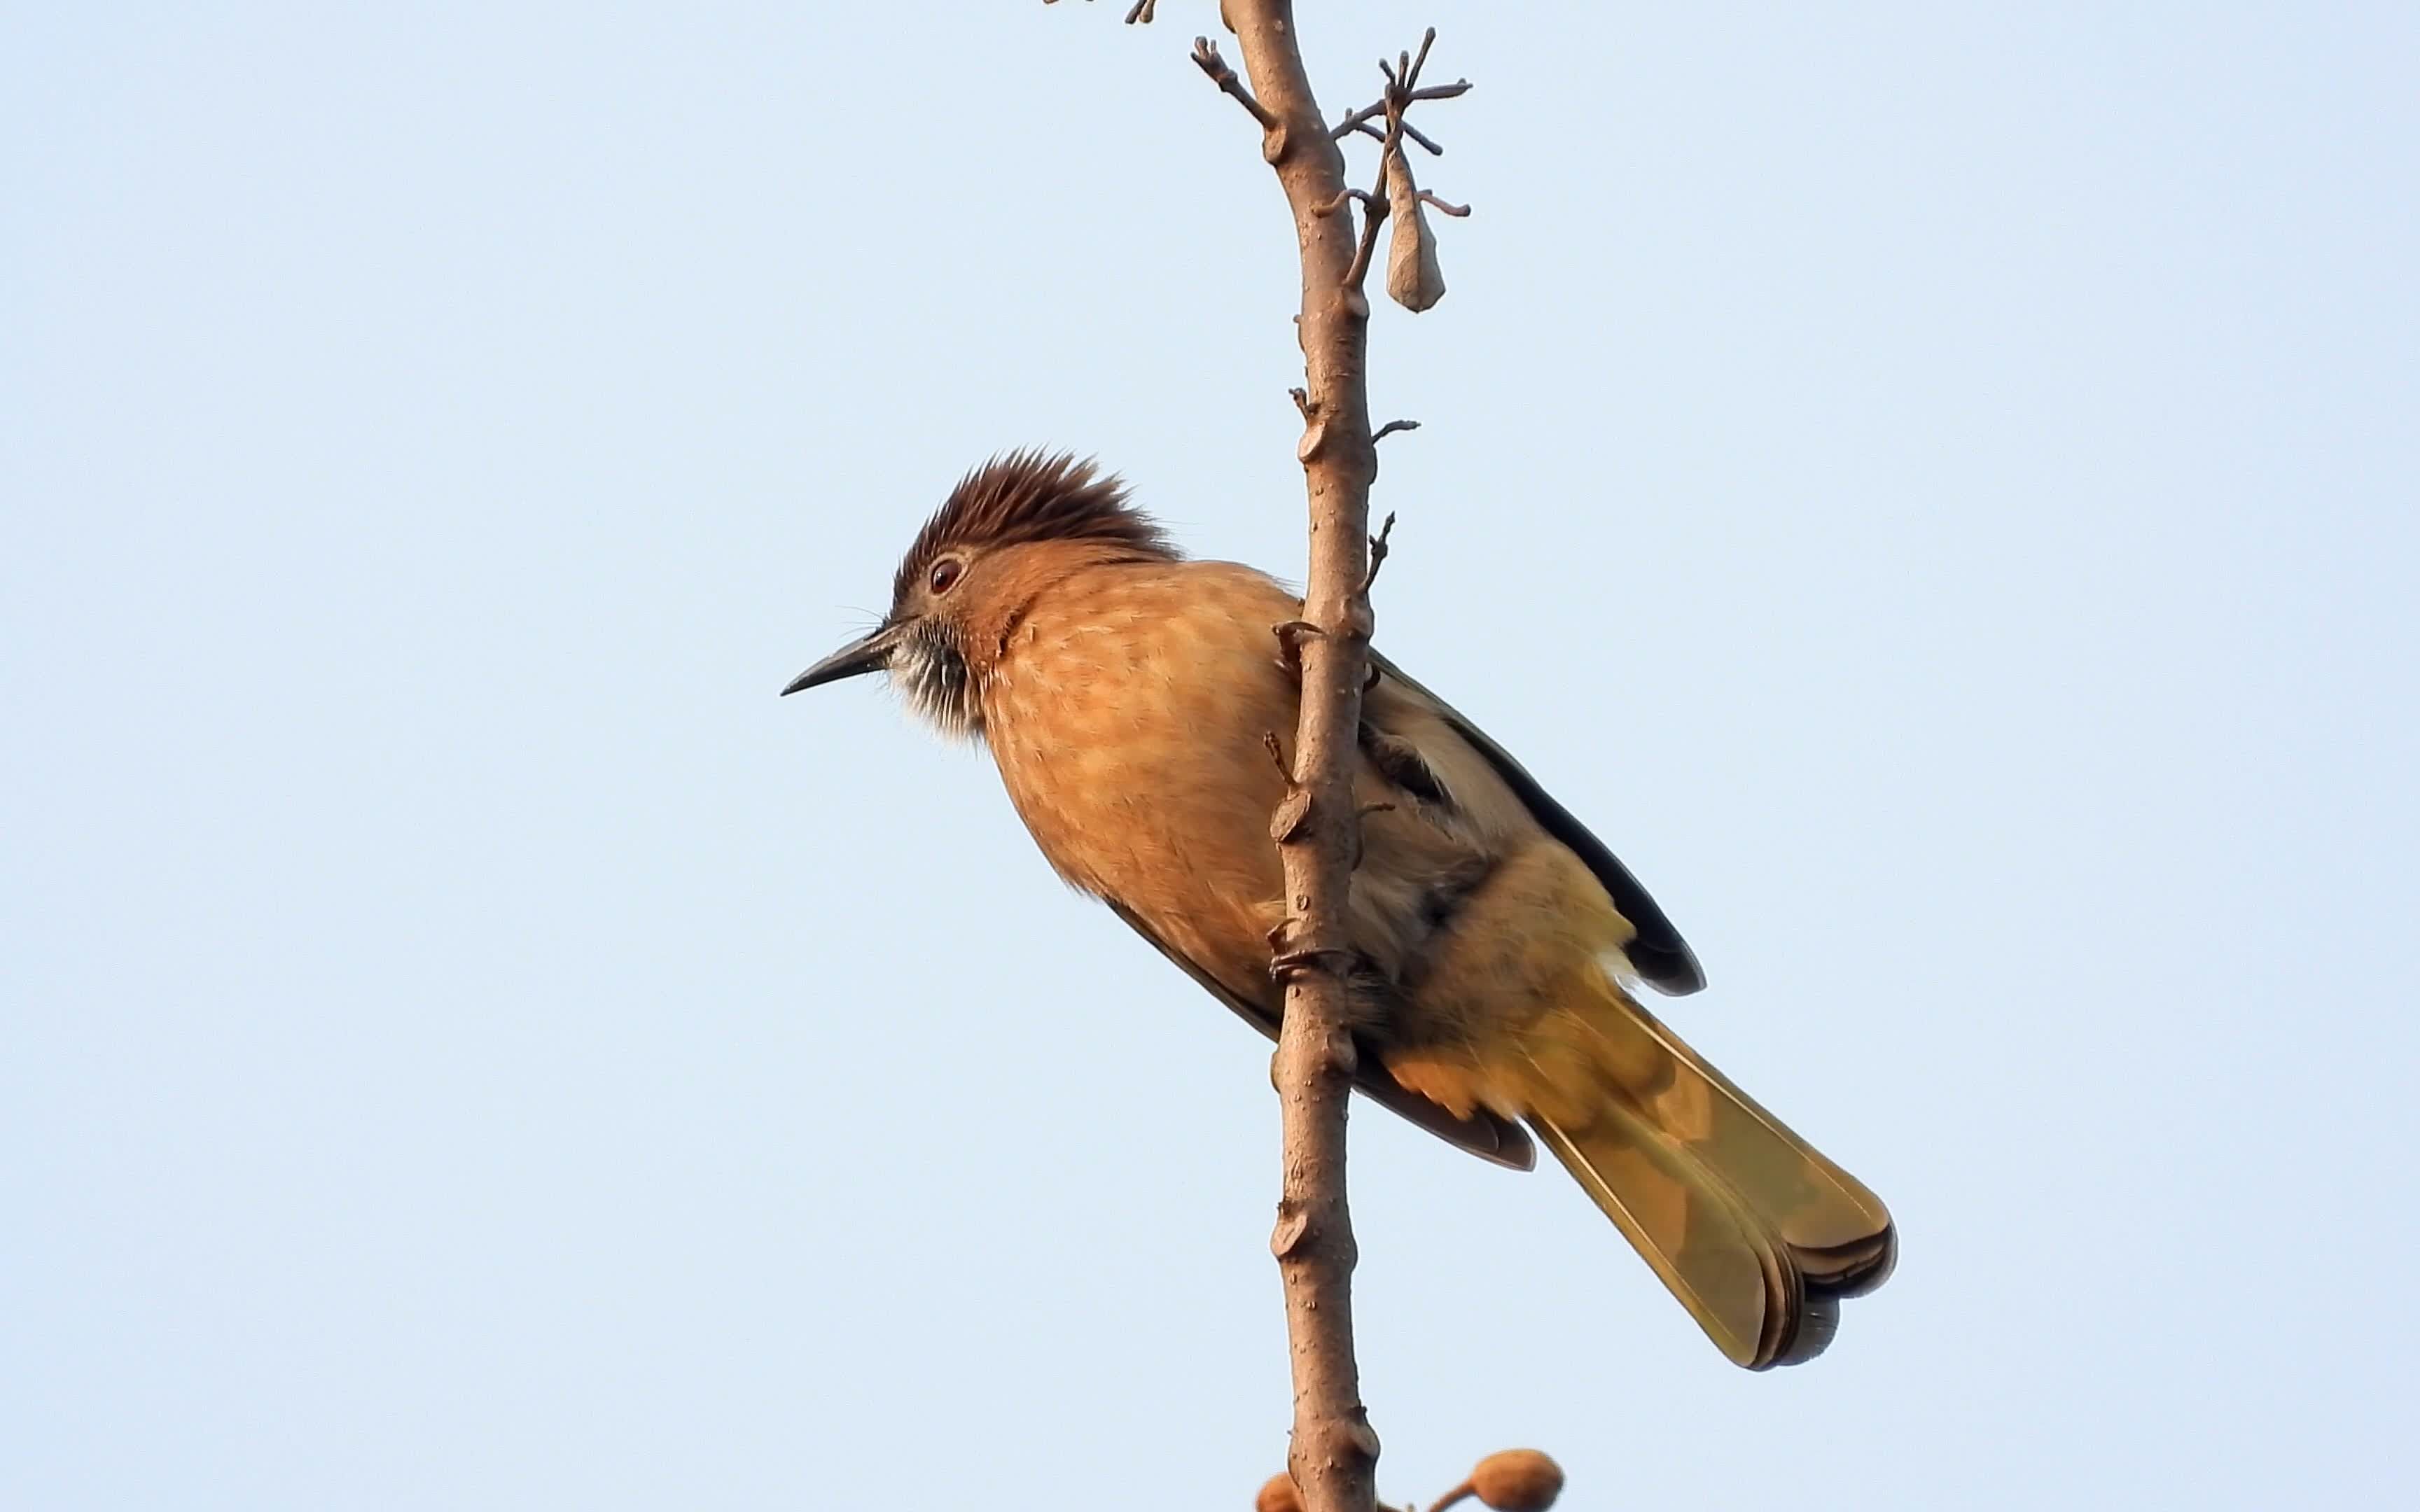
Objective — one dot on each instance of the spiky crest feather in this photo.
(1031, 495)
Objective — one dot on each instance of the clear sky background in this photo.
(1933, 484)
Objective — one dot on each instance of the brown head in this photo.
(1008, 529)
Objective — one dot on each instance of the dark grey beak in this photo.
(868, 654)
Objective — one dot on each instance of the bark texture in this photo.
(1334, 1454)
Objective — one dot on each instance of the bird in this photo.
(1498, 947)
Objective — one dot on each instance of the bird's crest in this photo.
(1033, 496)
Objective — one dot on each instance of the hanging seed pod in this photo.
(1414, 280)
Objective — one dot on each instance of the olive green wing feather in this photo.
(1660, 956)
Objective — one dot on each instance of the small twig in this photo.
(1416, 135)
(1457, 211)
(1205, 57)
(1144, 10)
(1378, 542)
(1277, 755)
(1388, 429)
(1359, 120)
(1372, 218)
(1365, 123)
(1373, 208)
(1413, 133)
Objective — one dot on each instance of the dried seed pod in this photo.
(1414, 278)
(1279, 1495)
(1517, 1480)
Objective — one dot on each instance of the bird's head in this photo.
(1006, 531)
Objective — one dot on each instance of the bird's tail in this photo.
(1757, 1233)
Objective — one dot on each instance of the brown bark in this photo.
(1334, 1455)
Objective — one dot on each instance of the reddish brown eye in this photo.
(945, 573)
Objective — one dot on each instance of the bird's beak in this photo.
(868, 654)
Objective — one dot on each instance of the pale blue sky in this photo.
(1934, 485)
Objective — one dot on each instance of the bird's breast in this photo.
(1125, 712)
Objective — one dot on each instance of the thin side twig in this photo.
(1369, 201)
(1368, 129)
(1205, 57)
(1374, 215)
(1378, 542)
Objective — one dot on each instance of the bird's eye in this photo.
(945, 574)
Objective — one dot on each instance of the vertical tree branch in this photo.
(1334, 1454)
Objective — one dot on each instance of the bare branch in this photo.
(1457, 211)
(1388, 429)
(1334, 1453)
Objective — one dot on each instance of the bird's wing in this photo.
(1658, 954)
(1485, 1135)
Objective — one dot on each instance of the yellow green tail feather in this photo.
(1756, 1232)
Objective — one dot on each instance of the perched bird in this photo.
(1123, 691)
